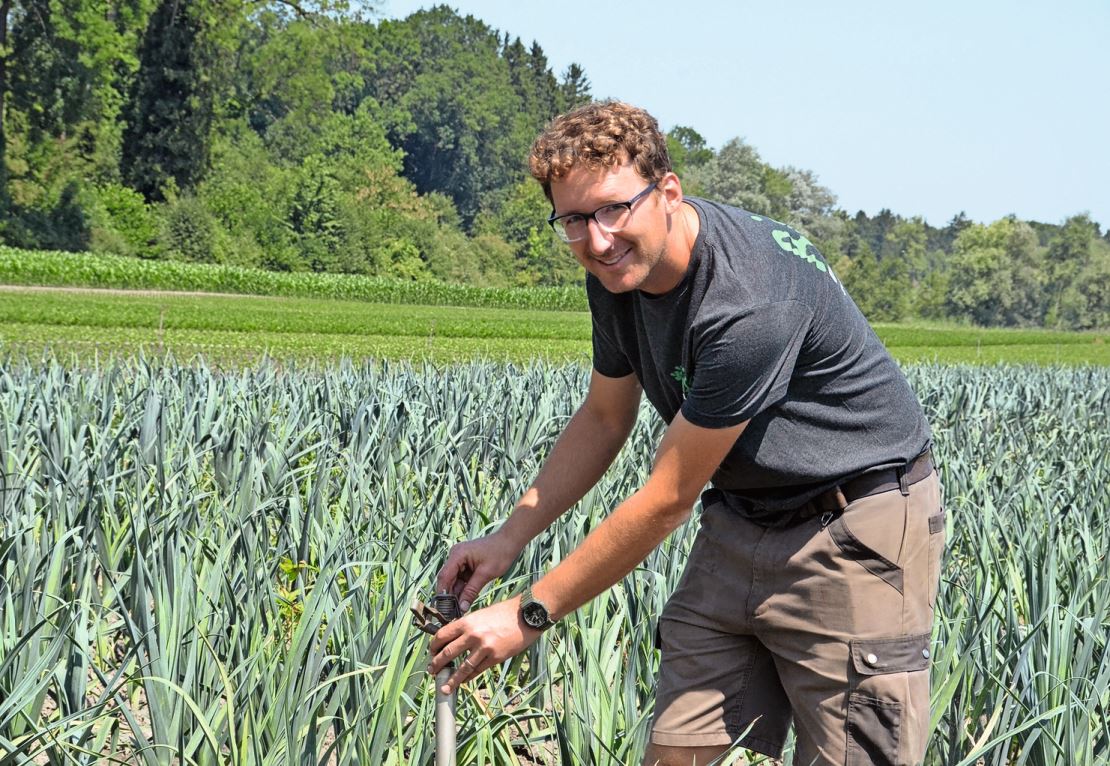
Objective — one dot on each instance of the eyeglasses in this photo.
(611, 218)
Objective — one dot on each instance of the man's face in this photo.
(623, 260)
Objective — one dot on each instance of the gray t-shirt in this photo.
(761, 329)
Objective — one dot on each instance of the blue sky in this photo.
(926, 108)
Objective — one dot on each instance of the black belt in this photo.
(865, 485)
(837, 498)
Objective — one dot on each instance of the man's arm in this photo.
(585, 450)
(686, 460)
(587, 447)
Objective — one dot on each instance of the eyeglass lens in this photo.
(611, 218)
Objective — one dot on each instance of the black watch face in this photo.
(534, 614)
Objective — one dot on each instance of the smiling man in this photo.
(809, 592)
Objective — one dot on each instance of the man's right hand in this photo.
(472, 564)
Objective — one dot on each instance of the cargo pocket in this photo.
(874, 725)
(858, 551)
(873, 731)
(936, 552)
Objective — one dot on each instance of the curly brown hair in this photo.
(599, 135)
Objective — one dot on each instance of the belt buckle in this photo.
(838, 499)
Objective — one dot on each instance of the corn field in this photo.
(45, 267)
(215, 567)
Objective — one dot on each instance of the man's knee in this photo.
(658, 755)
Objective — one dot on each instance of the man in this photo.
(808, 595)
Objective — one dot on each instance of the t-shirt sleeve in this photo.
(743, 364)
(608, 360)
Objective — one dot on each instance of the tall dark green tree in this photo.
(63, 65)
(944, 239)
(545, 88)
(169, 119)
(516, 58)
(574, 88)
(464, 131)
(874, 230)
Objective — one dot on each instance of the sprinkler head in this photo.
(431, 618)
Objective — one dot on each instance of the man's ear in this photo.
(671, 188)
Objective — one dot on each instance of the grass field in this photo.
(231, 329)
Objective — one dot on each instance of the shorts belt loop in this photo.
(903, 483)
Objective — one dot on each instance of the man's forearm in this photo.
(686, 459)
(612, 550)
(582, 454)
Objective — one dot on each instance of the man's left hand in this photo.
(486, 637)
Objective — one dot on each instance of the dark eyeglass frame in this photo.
(561, 230)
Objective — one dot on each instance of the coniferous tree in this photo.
(515, 56)
(575, 87)
(166, 142)
(545, 89)
(945, 238)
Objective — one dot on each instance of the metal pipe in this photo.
(446, 731)
(445, 720)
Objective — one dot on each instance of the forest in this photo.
(316, 136)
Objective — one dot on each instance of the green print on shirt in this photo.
(799, 244)
(800, 247)
(679, 374)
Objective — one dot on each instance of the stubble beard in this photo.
(640, 260)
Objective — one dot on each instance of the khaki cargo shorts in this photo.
(826, 623)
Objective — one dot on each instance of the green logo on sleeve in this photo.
(799, 245)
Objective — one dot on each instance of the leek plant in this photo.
(210, 566)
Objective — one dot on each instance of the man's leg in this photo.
(718, 685)
(847, 612)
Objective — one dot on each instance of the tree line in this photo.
(307, 136)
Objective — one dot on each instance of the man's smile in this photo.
(612, 260)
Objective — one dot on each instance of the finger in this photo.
(460, 582)
(467, 670)
(472, 588)
(442, 638)
(452, 571)
(452, 651)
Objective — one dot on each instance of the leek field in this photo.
(206, 566)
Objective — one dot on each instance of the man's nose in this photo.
(597, 238)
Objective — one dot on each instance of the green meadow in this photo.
(228, 329)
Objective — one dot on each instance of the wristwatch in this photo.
(534, 614)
